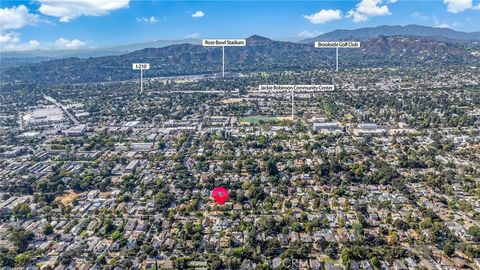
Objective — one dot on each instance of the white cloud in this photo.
(438, 23)
(420, 16)
(198, 14)
(10, 41)
(308, 34)
(10, 37)
(16, 17)
(443, 25)
(28, 46)
(372, 8)
(194, 35)
(66, 44)
(324, 15)
(34, 43)
(68, 10)
(152, 19)
(369, 8)
(456, 6)
(357, 16)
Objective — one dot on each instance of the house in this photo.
(276, 263)
(247, 265)
(332, 266)
(476, 263)
(354, 265)
(399, 265)
(365, 265)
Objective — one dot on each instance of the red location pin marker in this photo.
(220, 194)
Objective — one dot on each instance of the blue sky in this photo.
(73, 24)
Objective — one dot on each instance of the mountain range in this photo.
(435, 33)
(443, 34)
(260, 54)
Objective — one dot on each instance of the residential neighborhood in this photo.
(378, 175)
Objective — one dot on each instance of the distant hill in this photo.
(260, 54)
(39, 55)
(397, 30)
(153, 44)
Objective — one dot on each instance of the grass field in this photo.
(256, 119)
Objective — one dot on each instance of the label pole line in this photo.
(336, 67)
(274, 88)
(223, 43)
(337, 45)
(141, 67)
(141, 81)
(293, 112)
